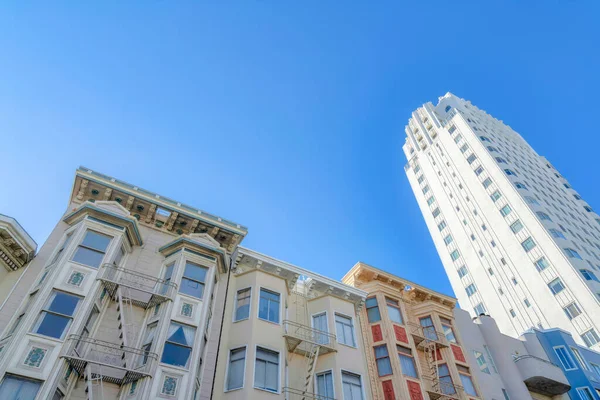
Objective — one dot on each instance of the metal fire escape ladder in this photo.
(95, 382)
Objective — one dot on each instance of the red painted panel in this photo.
(400, 334)
(414, 390)
(376, 331)
(437, 356)
(388, 390)
(458, 353)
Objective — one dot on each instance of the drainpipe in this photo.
(231, 262)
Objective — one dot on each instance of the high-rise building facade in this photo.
(516, 240)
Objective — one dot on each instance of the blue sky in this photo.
(287, 117)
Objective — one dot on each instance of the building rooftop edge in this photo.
(20, 230)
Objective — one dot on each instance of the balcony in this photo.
(424, 336)
(113, 362)
(301, 338)
(438, 389)
(542, 376)
(145, 291)
(297, 394)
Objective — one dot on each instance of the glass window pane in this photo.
(191, 288)
(174, 354)
(63, 303)
(96, 241)
(88, 257)
(242, 310)
(52, 325)
(17, 388)
(395, 314)
(195, 272)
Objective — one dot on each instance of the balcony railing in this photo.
(297, 394)
(443, 390)
(427, 335)
(113, 362)
(144, 290)
(301, 338)
(542, 376)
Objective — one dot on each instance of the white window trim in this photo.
(280, 308)
(580, 359)
(581, 389)
(245, 347)
(208, 278)
(362, 382)
(353, 330)
(332, 380)
(256, 346)
(568, 354)
(235, 305)
(312, 325)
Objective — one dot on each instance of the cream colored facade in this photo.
(413, 347)
(310, 346)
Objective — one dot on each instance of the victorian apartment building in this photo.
(137, 296)
(516, 239)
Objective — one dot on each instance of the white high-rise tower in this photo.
(516, 240)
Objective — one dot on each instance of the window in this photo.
(447, 329)
(496, 195)
(596, 368)
(325, 385)
(490, 148)
(556, 286)
(572, 310)
(148, 340)
(457, 138)
(344, 330)
(178, 346)
(510, 172)
(527, 303)
(384, 367)
(505, 210)
(505, 393)
(487, 182)
(531, 200)
(57, 315)
(585, 393)
(236, 368)
(421, 179)
(14, 387)
(491, 271)
(462, 271)
(501, 160)
(541, 264)
(516, 226)
(580, 359)
(352, 386)
(478, 171)
(490, 358)
(373, 313)
(192, 282)
(242, 306)
(442, 225)
(430, 200)
(63, 247)
(425, 189)
(556, 233)
(590, 338)
(479, 309)
(484, 139)
(467, 382)
(448, 239)
(446, 384)
(268, 306)
(471, 289)
(464, 148)
(428, 328)
(519, 185)
(435, 212)
(319, 323)
(512, 313)
(394, 310)
(92, 249)
(471, 158)
(266, 370)
(528, 244)
(565, 358)
(19, 319)
(572, 253)
(543, 216)
(167, 278)
(588, 275)
(407, 362)
(451, 129)
(454, 255)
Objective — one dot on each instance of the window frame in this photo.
(410, 355)
(81, 245)
(582, 362)
(191, 347)
(46, 309)
(331, 372)
(377, 359)
(568, 355)
(376, 306)
(261, 288)
(268, 349)
(584, 389)
(360, 378)
(355, 344)
(235, 310)
(203, 284)
(228, 365)
(447, 323)
(396, 305)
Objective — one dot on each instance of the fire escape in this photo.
(430, 342)
(304, 340)
(99, 361)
